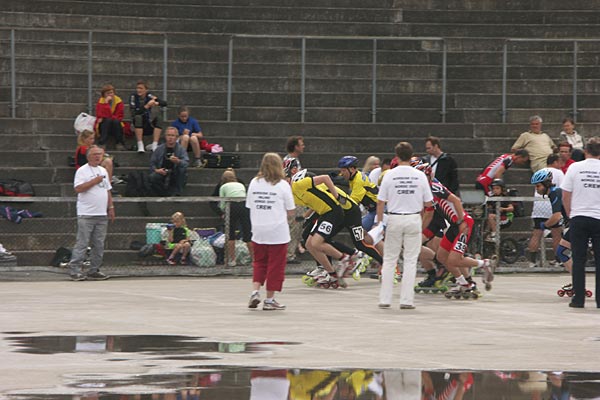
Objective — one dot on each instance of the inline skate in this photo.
(463, 291)
(310, 278)
(567, 290)
(360, 265)
(326, 281)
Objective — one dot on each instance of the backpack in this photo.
(138, 185)
(61, 256)
(16, 188)
(517, 205)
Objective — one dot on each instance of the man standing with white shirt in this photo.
(581, 200)
(94, 209)
(406, 192)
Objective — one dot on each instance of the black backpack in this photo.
(519, 209)
(138, 185)
(61, 256)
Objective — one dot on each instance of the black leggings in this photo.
(110, 127)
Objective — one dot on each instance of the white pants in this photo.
(402, 230)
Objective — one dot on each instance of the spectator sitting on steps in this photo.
(190, 133)
(179, 239)
(168, 166)
(85, 140)
(141, 103)
(537, 143)
(570, 135)
(109, 117)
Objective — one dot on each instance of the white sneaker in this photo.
(141, 148)
(154, 146)
(532, 265)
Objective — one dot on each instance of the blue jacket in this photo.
(159, 154)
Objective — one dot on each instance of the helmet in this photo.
(289, 165)
(347, 162)
(424, 167)
(498, 182)
(414, 161)
(542, 176)
(299, 175)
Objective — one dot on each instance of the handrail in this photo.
(231, 37)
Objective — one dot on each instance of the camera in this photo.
(170, 226)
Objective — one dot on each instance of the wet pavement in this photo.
(195, 339)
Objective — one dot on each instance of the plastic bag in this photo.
(242, 255)
(202, 254)
(84, 122)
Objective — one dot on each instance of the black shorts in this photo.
(144, 122)
(329, 224)
(436, 227)
(538, 221)
(353, 222)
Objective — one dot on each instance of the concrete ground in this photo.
(520, 325)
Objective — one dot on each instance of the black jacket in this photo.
(446, 172)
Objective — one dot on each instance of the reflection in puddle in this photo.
(171, 346)
(283, 384)
(197, 382)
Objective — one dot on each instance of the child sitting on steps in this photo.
(179, 239)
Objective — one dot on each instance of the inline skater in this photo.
(497, 168)
(456, 238)
(362, 190)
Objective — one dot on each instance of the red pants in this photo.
(269, 265)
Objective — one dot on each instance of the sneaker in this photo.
(170, 261)
(198, 163)
(120, 147)
(97, 276)
(272, 305)
(141, 148)
(254, 300)
(407, 307)
(78, 277)
(532, 265)
(153, 146)
(383, 305)
(231, 264)
(115, 180)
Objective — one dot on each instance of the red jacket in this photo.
(104, 110)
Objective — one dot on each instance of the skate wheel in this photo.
(334, 285)
(362, 269)
(569, 293)
(325, 285)
(588, 293)
(474, 296)
(560, 292)
(356, 275)
(488, 286)
(457, 296)
(443, 289)
(306, 278)
(448, 295)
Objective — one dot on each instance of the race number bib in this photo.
(461, 244)
(325, 228)
(359, 233)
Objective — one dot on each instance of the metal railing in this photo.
(230, 62)
(574, 111)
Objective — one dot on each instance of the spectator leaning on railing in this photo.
(581, 200)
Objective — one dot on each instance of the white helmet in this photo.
(299, 175)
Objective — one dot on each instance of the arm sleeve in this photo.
(567, 183)
(288, 197)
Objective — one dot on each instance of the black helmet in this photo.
(498, 182)
(289, 165)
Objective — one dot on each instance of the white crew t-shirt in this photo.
(583, 181)
(93, 202)
(268, 206)
(405, 189)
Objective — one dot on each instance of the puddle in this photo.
(169, 347)
(194, 381)
(356, 384)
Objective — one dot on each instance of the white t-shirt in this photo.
(543, 209)
(268, 206)
(374, 175)
(583, 181)
(93, 202)
(405, 189)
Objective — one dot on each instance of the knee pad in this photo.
(563, 254)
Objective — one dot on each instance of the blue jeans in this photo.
(369, 219)
(91, 230)
(582, 229)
